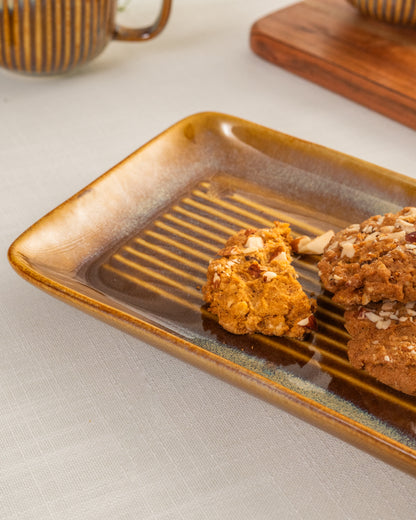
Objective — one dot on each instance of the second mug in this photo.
(44, 37)
(401, 12)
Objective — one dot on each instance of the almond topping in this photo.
(281, 257)
(372, 316)
(315, 246)
(275, 253)
(309, 322)
(398, 235)
(354, 228)
(268, 276)
(383, 324)
(299, 243)
(385, 313)
(368, 229)
(410, 213)
(406, 226)
(253, 243)
(348, 249)
(387, 229)
(372, 236)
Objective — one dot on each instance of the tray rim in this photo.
(325, 418)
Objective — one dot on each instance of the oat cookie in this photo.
(372, 261)
(384, 342)
(253, 287)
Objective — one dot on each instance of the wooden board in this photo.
(330, 43)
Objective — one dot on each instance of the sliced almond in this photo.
(348, 250)
(315, 246)
(383, 324)
(299, 243)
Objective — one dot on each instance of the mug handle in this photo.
(128, 34)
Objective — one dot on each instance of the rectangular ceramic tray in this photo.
(132, 248)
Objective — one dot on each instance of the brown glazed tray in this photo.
(132, 249)
(330, 43)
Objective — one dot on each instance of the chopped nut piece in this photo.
(411, 212)
(275, 253)
(300, 242)
(368, 229)
(383, 324)
(387, 229)
(253, 243)
(315, 246)
(268, 276)
(348, 249)
(384, 313)
(398, 235)
(281, 257)
(309, 322)
(406, 226)
(254, 270)
(372, 236)
(372, 316)
(411, 237)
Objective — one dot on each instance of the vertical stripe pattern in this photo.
(52, 36)
(392, 11)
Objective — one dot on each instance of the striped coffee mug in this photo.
(44, 37)
(401, 12)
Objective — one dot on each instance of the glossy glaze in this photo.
(132, 248)
(44, 37)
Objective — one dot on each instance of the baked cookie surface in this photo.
(253, 287)
(372, 261)
(384, 342)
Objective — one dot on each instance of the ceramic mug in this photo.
(401, 12)
(52, 36)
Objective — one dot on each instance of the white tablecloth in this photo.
(95, 424)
